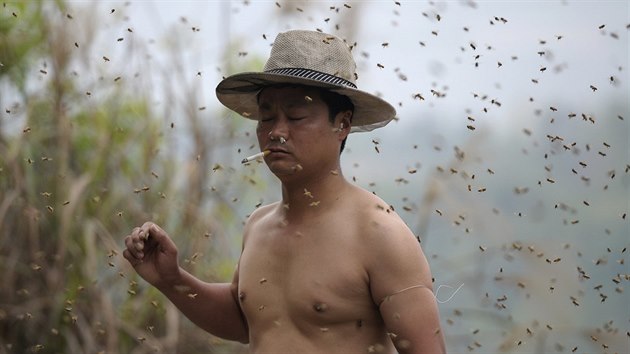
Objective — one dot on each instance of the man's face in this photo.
(298, 115)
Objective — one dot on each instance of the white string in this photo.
(449, 299)
(403, 290)
(424, 286)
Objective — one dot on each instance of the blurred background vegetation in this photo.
(525, 225)
(90, 159)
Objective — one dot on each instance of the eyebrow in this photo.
(293, 104)
(264, 105)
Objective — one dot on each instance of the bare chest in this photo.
(310, 278)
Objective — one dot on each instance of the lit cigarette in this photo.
(257, 156)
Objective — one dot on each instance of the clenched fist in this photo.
(153, 255)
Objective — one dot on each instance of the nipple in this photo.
(320, 307)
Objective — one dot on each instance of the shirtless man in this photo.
(330, 268)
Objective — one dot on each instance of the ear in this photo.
(343, 123)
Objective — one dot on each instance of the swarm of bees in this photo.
(508, 157)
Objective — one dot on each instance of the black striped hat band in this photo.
(312, 75)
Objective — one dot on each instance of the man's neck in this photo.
(306, 197)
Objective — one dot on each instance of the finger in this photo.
(133, 248)
(132, 260)
(145, 230)
(139, 234)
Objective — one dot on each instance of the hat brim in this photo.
(238, 93)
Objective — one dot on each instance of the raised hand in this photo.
(153, 255)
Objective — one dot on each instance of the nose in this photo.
(279, 128)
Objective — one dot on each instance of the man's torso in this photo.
(303, 286)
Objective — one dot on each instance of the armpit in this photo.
(388, 297)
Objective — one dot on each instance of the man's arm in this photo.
(401, 286)
(213, 307)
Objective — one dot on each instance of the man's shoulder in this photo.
(257, 215)
(376, 219)
(373, 209)
(261, 212)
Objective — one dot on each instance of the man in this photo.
(330, 268)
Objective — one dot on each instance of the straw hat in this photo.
(307, 58)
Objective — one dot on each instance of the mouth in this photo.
(277, 150)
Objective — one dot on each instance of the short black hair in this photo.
(336, 103)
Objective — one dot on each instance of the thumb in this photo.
(165, 243)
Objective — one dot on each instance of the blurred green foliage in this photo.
(80, 171)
